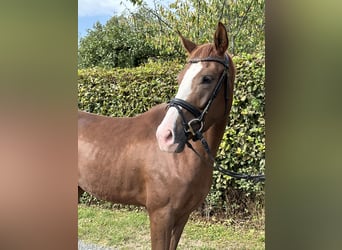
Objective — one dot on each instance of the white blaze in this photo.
(185, 87)
(166, 130)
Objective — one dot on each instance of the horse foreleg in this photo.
(161, 223)
(178, 230)
(80, 192)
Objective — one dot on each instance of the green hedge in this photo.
(127, 92)
(243, 145)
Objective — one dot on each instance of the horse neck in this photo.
(201, 167)
(214, 135)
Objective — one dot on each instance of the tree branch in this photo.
(154, 13)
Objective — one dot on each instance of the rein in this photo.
(189, 127)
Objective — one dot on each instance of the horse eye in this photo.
(206, 79)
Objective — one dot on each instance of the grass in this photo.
(124, 229)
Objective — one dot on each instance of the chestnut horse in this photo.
(148, 160)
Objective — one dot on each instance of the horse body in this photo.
(129, 173)
(121, 160)
(110, 166)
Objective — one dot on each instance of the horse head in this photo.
(203, 94)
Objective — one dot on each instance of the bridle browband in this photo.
(189, 127)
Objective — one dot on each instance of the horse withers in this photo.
(159, 159)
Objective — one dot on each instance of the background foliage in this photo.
(127, 92)
(116, 44)
(132, 38)
(243, 145)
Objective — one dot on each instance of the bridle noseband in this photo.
(189, 127)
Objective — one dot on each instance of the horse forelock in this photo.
(209, 50)
(202, 51)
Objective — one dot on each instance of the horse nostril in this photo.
(165, 136)
(168, 136)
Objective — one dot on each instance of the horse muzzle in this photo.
(170, 138)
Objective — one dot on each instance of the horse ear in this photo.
(187, 44)
(221, 39)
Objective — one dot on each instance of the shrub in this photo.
(243, 145)
(115, 44)
(127, 92)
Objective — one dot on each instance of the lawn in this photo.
(127, 229)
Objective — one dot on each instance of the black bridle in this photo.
(196, 134)
(190, 126)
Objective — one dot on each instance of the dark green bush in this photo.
(127, 92)
(243, 145)
(118, 43)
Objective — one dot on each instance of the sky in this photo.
(91, 11)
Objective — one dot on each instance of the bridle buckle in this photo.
(191, 129)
